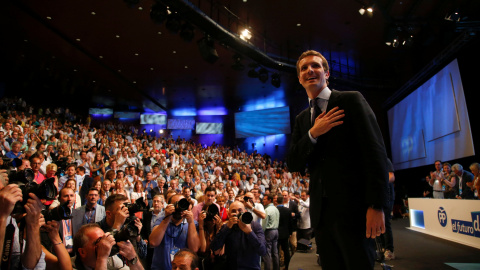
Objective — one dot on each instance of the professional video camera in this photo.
(24, 179)
(61, 212)
(129, 229)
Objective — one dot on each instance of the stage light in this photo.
(158, 12)
(160, 131)
(263, 75)
(361, 11)
(151, 130)
(245, 35)
(237, 65)
(187, 32)
(207, 49)
(276, 80)
(174, 23)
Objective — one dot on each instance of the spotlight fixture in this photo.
(207, 49)
(454, 16)
(245, 34)
(237, 65)
(151, 130)
(158, 12)
(160, 131)
(263, 75)
(174, 23)
(187, 32)
(361, 11)
(144, 130)
(275, 80)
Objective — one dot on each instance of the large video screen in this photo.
(431, 123)
(209, 128)
(153, 119)
(126, 115)
(180, 124)
(104, 111)
(262, 122)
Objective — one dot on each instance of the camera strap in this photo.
(8, 246)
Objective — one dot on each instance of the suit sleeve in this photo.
(300, 147)
(373, 157)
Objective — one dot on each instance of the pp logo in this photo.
(442, 217)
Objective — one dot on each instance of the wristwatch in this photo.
(133, 261)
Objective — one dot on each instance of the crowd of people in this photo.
(128, 200)
(453, 181)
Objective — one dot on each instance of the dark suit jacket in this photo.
(293, 207)
(285, 225)
(467, 193)
(87, 184)
(347, 164)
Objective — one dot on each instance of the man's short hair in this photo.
(185, 252)
(457, 167)
(269, 197)
(71, 165)
(92, 188)
(314, 53)
(65, 188)
(110, 201)
(80, 238)
(81, 168)
(159, 196)
(210, 188)
(279, 199)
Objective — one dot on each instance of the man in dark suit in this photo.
(344, 151)
(295, 214)
(464, 177)
(86, 183)
(285, 229)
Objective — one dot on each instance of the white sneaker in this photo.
(389, 255)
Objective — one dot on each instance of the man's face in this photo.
(149, 176)
(266, 201)
(87, 253)
(106, 185)
(131, 171)
(236, 208)
(312, 74)
(438, 166)
(457, 172)
(255, 193)
(92, 197)
(210, 197)
(186, 192)
(16, 148)
(67, 195)
(71, 171)
(304, 196)
(285, 196)
(231, 195)
(157, 204)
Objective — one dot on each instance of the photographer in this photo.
(244, 243)
(93, 247)
(61, 259)
(116, 214)
(256, 209)
(175, 231)
(32, 256)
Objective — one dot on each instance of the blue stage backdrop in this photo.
(262, 122)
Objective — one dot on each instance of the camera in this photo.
(62, 164)
(212, 211)
(24, 179)
(180, 206)
(129, 230)
(247, 199)
(61, 212)
(246, 217)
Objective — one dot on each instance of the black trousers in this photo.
(341, 240)
(284, 245)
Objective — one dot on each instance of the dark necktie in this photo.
(316, 110)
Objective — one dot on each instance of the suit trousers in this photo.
(341, 240)
(283, 244)
(271, 259)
